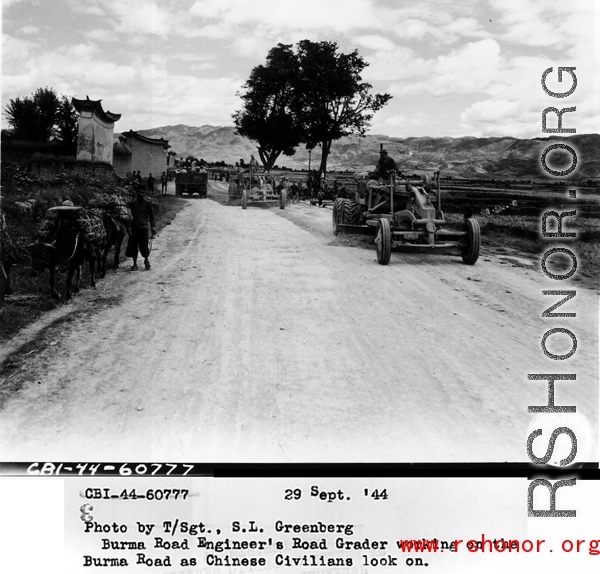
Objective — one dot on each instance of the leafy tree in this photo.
(332, 100)
(21, 116)
(267, 96)
(34, 118)
(67, 122)
(42, 117)
(313, 96)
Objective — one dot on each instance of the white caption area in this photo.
(32, 525)
(316, 525)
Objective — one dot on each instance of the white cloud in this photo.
(555, 25)
(471, 68)
(432, 54)
(439, 29)
(183, 99)
(102, 35)
(464, 71)
(79, 66)
(374, 42)
(135, 17)
(29, 29)
(337, 15)
(7, 3)
(395, 121)
(252, 47)
(210, 31)
(16, 52)
(192, 57)
(500, 118)
(397, 63)
(202, 67)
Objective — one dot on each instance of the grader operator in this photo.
(385, 166)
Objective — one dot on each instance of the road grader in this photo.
(401, 213)
(255, 190)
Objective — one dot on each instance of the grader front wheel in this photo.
(282, 199)
(384, 242)
(470, 249)
(244, 199)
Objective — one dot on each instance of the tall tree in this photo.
(266, 116)
(332, 100)
(43, 116)
(67, 124)
(22, 117)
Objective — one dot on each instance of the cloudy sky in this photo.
(454, 67)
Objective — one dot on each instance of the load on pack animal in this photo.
(70, 236)
(116, 217)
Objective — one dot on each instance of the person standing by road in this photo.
(163, 183)
(320, 197)
(150, 185)
(143, 217)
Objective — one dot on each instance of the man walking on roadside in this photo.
(143, 217)
(163, 183)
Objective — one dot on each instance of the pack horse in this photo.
(75, 238)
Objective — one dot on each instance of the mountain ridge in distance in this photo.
(467, 156)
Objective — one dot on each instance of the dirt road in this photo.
(258, 336)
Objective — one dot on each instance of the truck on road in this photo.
(190, 183)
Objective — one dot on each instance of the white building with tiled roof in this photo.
(147, 155)
(96, 131)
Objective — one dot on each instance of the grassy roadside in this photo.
(31, 296)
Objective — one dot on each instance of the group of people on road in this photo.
(136, 181)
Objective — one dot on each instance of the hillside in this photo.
(465, 156)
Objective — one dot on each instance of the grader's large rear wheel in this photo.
(384, 242)
(348, 212)
(470, 249)
(244, 199)
(233, 188)
(344, 212)
(282, 199)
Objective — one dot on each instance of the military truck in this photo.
(190, 183)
